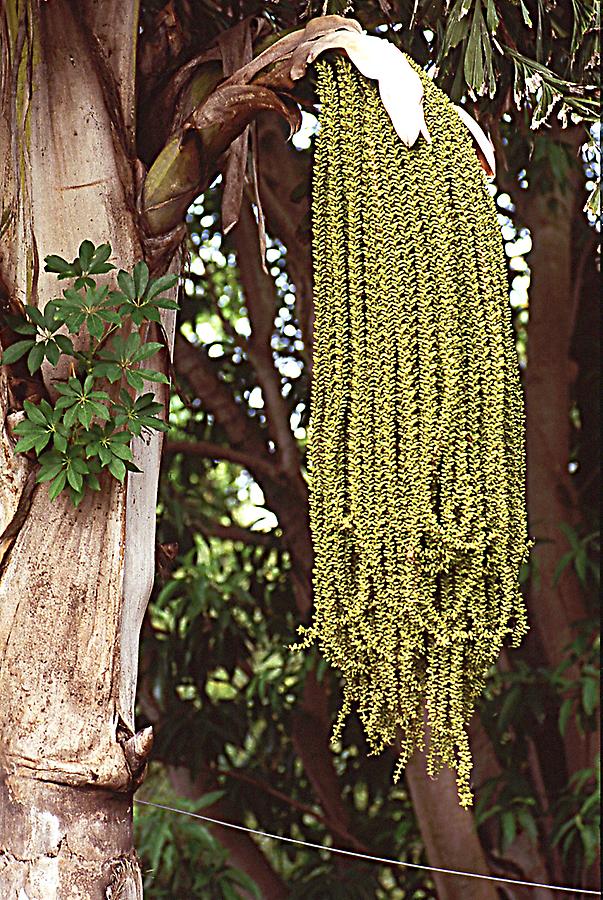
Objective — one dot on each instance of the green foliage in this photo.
(227, 688)
(577, 824)
(181, 857)
(88, 428)
(520, 706)
(582, 556)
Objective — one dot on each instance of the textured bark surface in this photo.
(72, 594)
(555, 604)
(66, 842)
(550, 375)
(449, 834)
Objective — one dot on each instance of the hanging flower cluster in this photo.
(417, 431)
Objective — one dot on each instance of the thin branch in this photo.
(332, 827)
(244, 852)
(218, 451)
(237, 533)
(286, 493)
(260, 299)
(284, 172)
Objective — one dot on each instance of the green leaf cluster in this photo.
(90, 427)
(182, 856)
(519, 705)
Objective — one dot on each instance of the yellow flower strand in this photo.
(417, 504)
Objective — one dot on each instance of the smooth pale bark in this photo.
(74, 583)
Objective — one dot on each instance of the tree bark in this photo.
(74, 583)
(555, 605)
(550, 375)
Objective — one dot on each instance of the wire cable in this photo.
(379, 859)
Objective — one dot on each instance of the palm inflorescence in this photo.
(416, 450)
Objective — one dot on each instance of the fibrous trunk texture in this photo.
(74, 583)
(417, 459)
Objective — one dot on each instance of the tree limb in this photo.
(237, 533)
(219, 451)
(245, 853)
(260, 299)
(286, 495)
(333, 827)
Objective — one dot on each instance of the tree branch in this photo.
(310, 734)
(260, 300)
(218, 451)
(285, 193)
(333, 827)
(286, 494)
(245, 853)
(237, 533)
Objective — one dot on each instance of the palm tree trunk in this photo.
(74, 584)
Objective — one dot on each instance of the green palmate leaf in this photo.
(65, 344)
(92, 307)
(16, 351)
(92, 482)
(98, 263)
(57, 485)
(52, 352)
(41, 414)
(135, 380)
(31, 442)
(138, 414)
(124, 355)
(108, 370)
(75, 479)
(58, 265)
(117, 468)
(36, 316)
(157, 285)
(146, 350)
(36, 430)
(126, 283)
(86, 253)
(141, 278)
(85, 431)
(36, 357)
(70, 416)
(81, 402)
(20, 326)
(140, 297)
(122, 451)
(157, 377)
(49, 472)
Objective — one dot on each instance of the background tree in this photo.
(114, 120)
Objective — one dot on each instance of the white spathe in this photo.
(400, 87)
